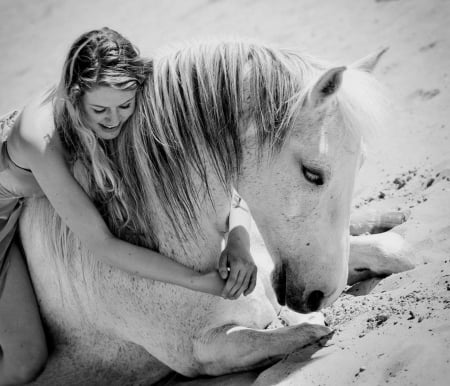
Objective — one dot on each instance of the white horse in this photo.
(283, 129)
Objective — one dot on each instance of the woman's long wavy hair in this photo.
(100, 57)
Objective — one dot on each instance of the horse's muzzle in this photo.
(295, 296)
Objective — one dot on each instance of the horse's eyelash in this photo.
(313, 176)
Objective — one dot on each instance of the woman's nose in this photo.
(113, 117)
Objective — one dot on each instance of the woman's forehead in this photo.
(108, 97)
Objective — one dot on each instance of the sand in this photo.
(399, 333)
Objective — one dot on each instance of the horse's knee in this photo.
(209, 350)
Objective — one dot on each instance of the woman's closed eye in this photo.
(101, 111)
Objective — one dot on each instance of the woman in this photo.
(41, 146)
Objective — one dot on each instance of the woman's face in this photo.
(107, 109)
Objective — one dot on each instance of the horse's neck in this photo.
(200, 250)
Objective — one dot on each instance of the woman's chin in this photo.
(108, 133)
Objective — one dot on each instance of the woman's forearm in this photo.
(150, 264)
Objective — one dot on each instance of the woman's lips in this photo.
(110, 127)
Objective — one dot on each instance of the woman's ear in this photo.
(327, 84)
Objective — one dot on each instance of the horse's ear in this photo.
(369, 62)
(325, 86)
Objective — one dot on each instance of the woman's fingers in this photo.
(241, 279)
(232, 281)
(223, 265)
(245, 284)
(239, 283)
(252, 283)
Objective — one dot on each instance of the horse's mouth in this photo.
(287, 294)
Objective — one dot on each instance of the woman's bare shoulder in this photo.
(37, 124)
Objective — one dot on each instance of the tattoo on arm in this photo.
(47, 138)
(236, 202)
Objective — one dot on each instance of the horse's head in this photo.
(300, 195)
(285, 130)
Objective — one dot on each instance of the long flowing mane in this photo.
(197, 104)
(193, 114)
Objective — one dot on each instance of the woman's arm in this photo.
(236, 256)
(43, 153)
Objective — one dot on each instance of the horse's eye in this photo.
(313, 176)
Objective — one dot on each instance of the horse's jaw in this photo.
(306, 280)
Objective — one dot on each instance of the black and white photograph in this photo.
(225, 192)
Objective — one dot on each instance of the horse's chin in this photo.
(295, 303)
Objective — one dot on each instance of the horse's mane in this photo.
(199, 101)
(193, 116)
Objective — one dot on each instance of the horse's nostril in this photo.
(314, 300)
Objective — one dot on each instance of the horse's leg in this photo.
(232, 348)
(372, 221)
(374, 252)
(76, 363)
(378, 255)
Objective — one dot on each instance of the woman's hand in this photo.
(236, 265)
(209, 282)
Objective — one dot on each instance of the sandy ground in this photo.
(399, 333)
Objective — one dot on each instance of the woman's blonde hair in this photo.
(100, 57)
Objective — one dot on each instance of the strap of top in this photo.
(6, 123)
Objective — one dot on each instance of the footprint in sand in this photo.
(425, 94)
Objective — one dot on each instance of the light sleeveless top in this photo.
(16, 184)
